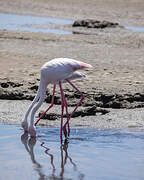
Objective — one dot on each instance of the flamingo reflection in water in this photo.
(29, 144)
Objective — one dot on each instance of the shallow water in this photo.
(15, 22)
(24, 22)
(90, 154)
(136, 29)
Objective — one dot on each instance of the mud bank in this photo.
(94, 102)
(13, 111)
(116, 83)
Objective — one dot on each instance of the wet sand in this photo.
(12, 112)
(116, 54)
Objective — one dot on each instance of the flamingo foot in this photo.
(24, 125)
(32, 132)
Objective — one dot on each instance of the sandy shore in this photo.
(116, 53)
(12, 112)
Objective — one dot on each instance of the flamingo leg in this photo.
(50, 106)
(62, 107)
(66, 107)
(78, 104)
(67, 115)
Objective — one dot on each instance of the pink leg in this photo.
(61, 121)
(50, 106)
(66, 106)
(78, 104)
(62, 107)
(67, 115)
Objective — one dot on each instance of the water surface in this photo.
(136, 29)
(90, 154)
(25, 22)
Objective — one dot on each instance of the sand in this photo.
(116, 53)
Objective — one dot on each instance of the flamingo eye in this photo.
(75, 68)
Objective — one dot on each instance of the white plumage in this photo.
(56, 71)
(60, 69)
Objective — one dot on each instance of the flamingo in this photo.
(56, 72)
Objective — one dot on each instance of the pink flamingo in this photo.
(56, 71)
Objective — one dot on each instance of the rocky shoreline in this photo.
(114, 88)
(92, 23)
(94, 103)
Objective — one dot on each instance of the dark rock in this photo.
(57, 100)
(14, 84)
(29, 96)
(13, 91)
(90, 111)
(34, 87)
(90, 102)
(102, 110)
(4, 85)
(90, 23)
(77, 114)
(50, 116)
(93, 110)
(10, 84)
(114, 104)
(105, 98)
(11, 95)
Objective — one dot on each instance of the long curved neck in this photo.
(42, 93)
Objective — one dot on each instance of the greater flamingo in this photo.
(56, 71)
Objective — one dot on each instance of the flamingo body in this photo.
(56, 71)
(60, 69)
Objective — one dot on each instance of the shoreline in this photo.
(10, 90)
(13, 111)
(115, 84)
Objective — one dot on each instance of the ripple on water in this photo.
(90, 154)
